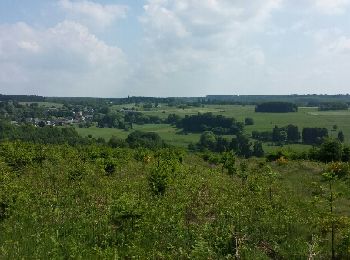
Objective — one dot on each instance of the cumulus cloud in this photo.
(331, 42)
(63, 60)
(340, 45)
(92, 13)
(331, 7)
(194, 40)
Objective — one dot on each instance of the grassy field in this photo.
(305, 117)
(168, 133)
(43, 104)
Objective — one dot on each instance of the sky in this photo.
(116, 48)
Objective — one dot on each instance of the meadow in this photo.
(305, 117)
(44, 104)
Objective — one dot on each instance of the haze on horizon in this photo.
(113, 48)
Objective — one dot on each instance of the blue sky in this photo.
(115, 48)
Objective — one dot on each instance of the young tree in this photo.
(341, 137)
(293, 134)
(331, 150)
(330, 177)
(228, 161)
(258, 150)
(249, 121)
(242, 145)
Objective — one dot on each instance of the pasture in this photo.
(44, 104)
(305, 117)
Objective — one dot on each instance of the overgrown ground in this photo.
(98, 202)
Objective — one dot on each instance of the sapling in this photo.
(331, 177)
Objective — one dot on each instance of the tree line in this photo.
(276, 107)
(218, 124)
(291, 134)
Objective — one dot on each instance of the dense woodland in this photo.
(276, 107)
(333, 106)
(209, 122)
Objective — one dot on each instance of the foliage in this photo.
(61, 201)
(45, 134)
(331, 150)
(333, 106)
(263, 136)
(341, 137)
(249, 121)
(145, 139)
(276, 107)
(209, 122)
(314, 135)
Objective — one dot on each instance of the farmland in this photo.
(305, 117)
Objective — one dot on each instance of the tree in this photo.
(332, 174)
(314, 135)
(346, 154)
(279, 135)
(208, 140)
(276, 107)
(293, 134)
(149, 140)
(209, 122)
(228, 161)
(258, 150)
(249, 121)
(331, 150)
(115, 142)
(173, 119)
(242, 146)
(341, 136)
(41, 124)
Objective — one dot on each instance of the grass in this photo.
(43, 104)
(62, 204)
(305, 117)
(168, 133)
(105, 133)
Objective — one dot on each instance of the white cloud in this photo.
(188, 42)
(331, 42)
(63, 60)
(331, 7)
(340, 45)
(92, 13)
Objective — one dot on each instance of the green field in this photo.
(305, 117)
(44, 104)
(168, 133)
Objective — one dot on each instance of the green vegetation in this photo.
(263, 122)
(333, 106)
(276, 107)
(58, 201)
(172, 178)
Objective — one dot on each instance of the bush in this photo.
(339, 169)
(249, 121)
(331, 150)
(158, 180)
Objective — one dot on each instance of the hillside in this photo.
(59, 201)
